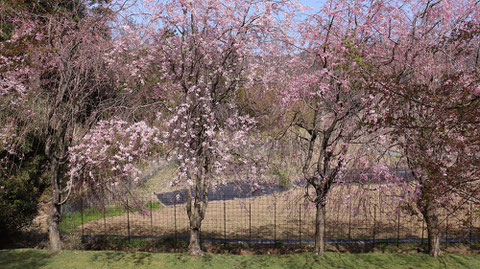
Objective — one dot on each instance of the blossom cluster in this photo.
(111, 150)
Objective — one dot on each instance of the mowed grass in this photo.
(70, 222)
(31, 258)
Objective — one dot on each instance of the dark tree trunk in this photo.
(196, 207)
(433, 231)
(320, 229)
(196, 218)
(55, 213)
(428, 207)
(53, 231)
(194, 248)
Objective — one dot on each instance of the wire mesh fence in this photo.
(277, 217)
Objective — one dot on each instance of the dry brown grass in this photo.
(287, 216)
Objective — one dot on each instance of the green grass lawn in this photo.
(71, 221)
(31, 258)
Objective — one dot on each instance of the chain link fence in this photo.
(280, 216)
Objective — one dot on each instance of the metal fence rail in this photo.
(277, 217)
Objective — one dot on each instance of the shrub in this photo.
(21, 187)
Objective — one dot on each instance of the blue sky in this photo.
(312, 3)
(315, 4)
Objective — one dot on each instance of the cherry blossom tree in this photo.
(105, 161)
(327, 98)
(203, 53)
(425, 67)
(57, 87)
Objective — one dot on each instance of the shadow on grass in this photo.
(24, 259)
(136, 258)
(29, 239)
(169, 245)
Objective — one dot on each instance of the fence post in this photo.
(250, 221)
(81, 213)
(423, 231)
(128, 221)
(151, 214)
(446, 231)
(275, 220)
(105, 218)
(398, 228)
(471, 223)
(300, 222)
(374, 226)
(175, 219)
(224, 220)
(286, 227)
(350, 220)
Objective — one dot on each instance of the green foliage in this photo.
(41, 7)
(153, 205)
(352, 51)
(8, 8)
(17, 205)
(282, 175)
(6, 29)
(22, 185)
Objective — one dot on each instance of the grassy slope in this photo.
(30, 258)
(71, 221)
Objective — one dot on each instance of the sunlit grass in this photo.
(30, 258)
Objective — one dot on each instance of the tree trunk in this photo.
(320, 229)
(55, 213)
(196, 211)
(194, 248)
(53, 231)
(433, 231)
